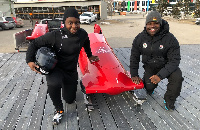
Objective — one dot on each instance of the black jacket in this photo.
(66, 45)
(160, 52)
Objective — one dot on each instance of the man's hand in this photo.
(136, 79)
(93, 58)
(32, 65)
(155, 79)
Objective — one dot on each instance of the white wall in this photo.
(103, 10)
(5, 7)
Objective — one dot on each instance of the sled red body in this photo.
(106, 75)
(40, 29)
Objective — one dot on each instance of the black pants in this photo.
(67, 81)
(173, 87)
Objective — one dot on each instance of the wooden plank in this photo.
(124, 57)
(83, 117)
(8, 66)
(187, 93)
(155, 118)
(5, 78)
(10, 86)
(48, 115)
(4, 58)
(10, 100)
(128, 109)
(95, 116)
(62, 125)
(72, 122)
(37, 113)
(151, 115)
(182, 114)
(192, 65)
(191, 82)
(143, 118)
(117, 114)
(175, 115)
(178, 106)
(15, 112)
(121, 57)
(105, 113)
(25, 117)
(164, 114)
(190, 95)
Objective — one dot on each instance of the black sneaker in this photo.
(169, 107)
(57, 117)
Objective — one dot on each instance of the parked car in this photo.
(44, 21)
(197, 21)
(2, 26)
(8, 25)
(88, 17)
(10, 20)
(18, 21)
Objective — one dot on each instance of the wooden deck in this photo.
(25, 104)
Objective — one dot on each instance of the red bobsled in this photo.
(41, 29)
(106, 75)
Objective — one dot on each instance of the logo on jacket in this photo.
(161, 47)
(144, 45)
(64, 36)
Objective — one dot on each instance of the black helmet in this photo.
(46, 60)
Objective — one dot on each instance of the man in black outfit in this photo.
(67, 43)
(160, 52)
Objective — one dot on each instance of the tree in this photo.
(162, 6)
(176, 9)
(197, 9)
(186, 7)
(110, 7)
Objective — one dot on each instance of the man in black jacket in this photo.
(160, 52)
(67, 43)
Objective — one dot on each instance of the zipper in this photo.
(151, 42)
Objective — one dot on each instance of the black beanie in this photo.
(70, 12)
(153, 16)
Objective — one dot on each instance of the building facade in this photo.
(39, 9)
(141, 5)
(131, 5)
(6, 8)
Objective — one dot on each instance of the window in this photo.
(138, 3)
(143, 3)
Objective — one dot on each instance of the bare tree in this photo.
(197, 10)
(162, 6)
(110, 7)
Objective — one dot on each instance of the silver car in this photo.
(197, 21)
(9, 24)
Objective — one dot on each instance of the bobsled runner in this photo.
(106, 75)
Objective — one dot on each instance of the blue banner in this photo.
(148, 5)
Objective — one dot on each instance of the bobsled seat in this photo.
(53, 24)
(39, 30)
